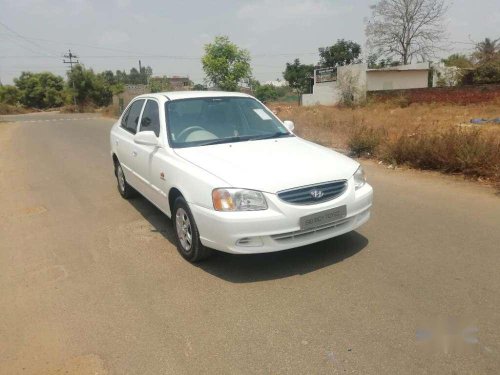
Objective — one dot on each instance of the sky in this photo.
(169, 35)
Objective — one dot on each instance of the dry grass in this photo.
(427, 136)
(6, 109)
(111, 111)
(71, 108)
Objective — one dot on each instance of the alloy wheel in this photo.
(184, 230)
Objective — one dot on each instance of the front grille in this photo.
(313, 194)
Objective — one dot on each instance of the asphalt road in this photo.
(92, 284)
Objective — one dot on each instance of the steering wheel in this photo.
(188, 130)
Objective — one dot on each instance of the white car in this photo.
(232, 176)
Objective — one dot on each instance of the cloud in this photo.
(122, 3)
(114, 38)
(266, 15)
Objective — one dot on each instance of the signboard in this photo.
(325, 75)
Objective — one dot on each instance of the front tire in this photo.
(186, 233)
(126, 191)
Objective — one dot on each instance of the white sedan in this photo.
(232, 176)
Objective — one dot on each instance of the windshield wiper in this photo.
(221, 140)
(269, 136)
(243, 138)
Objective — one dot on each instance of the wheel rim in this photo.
(121, 178)
(184, 231)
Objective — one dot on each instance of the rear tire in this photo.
(126, 191)
(186, 233)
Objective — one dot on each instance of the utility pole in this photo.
(70, 56)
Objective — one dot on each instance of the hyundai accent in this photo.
(232, 176)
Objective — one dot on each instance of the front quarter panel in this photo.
(194, 183)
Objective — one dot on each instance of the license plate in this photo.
(321, 218)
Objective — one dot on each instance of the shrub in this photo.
(266, 93)
(364, 140)
(347, 82)
(40, 90)
(488, 72)
(9, 95)
(456, 150)
(88, 87)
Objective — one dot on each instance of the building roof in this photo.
(175, 95)
(400, 68)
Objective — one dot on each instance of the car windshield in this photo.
(216, 120)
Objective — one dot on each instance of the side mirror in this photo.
(289, 125)
(147, 138)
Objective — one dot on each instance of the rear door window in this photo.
(151, 118)
(131, 118)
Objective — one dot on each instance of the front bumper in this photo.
(277, 228)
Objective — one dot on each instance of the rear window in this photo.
(130, 119)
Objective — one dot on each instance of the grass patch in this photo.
(71, 108)
(471, 152)
(7, 109)
(426, 136)
(365, 140)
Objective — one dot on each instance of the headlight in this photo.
(359, 178)
(238, 200)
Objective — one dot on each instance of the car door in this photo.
(125, 145)
(147, 158)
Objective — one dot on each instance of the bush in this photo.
(111, 111)
(9, 95)
(40, 90)
(89, 88)
(488, 72)
(347, 82)
(266, 93)
(365, 140)
(7, 109)
(456, 150)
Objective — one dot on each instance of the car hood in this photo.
(271, 165)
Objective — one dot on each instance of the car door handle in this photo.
(134, 153)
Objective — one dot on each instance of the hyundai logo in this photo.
(316, 193)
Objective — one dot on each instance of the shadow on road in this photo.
(260, 267)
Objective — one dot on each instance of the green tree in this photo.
(299, 76)
(134, 77)
(266, 93)
(344, 52)
(111, 80)
(458, 60)
(40, 90)
(159, 84)
(199, 87)
(487, 72)
(487, 50)
(225, 64)
(9, 94)
(375, 62)
(88, 87)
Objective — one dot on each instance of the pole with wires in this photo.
(70, 56)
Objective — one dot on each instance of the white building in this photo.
(276, 83)
(329, 83)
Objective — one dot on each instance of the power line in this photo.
(138, 54)
(15, 42)
(27, 40)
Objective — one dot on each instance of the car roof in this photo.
(175, 95)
